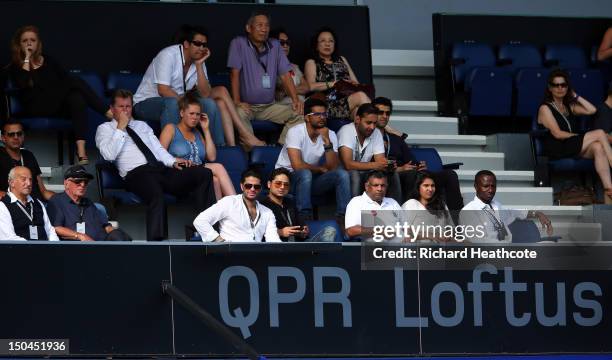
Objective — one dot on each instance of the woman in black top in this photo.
(46, 89)
(558, 114)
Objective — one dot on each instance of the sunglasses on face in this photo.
(199, 43)
(80, 181)
(558, 85)
(14, 134)
(285, 42)
(278, 183)
(319, 114)
(252, 186)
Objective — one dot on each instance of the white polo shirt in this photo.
(363, 202)
(167, 69)
(312, 152)
(476, 212)
(372, 145)
(235, 225)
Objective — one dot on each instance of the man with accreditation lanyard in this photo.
(22, 217)
(241, 217)
(485, 211)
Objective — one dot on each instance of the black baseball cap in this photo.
(77, 172)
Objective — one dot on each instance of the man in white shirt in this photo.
(373, 199)
(174, 71)
(148, 169)
(22, 217)
(310, 153)
(241, 217)
(360, 142)
(485, 211)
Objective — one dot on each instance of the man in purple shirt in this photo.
(255, 63)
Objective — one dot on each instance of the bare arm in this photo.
(166, 91)
(209, 144)
(346, 156)
(202, 82)
(350, 70)
(235, 84)
(605, 48)
(546, 119)
(46, 194)
(303, 87)
(66, 233)
(310, 73)
(583, 107)
(295, 157)
(165, 138)
(297, 105)
(359, 230)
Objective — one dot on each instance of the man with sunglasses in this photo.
(256, 62)
(12, 155)
(176, 70)
(310, 153)
(241, 217)
(407, 165)
(74, 216)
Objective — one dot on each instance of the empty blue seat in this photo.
(515, 56)
(468, 55)
(264, 159)
(219, 79)
(530, 84)
(123, 79)
(235, 162)
(490, 91)
(526, 231)
(335, 124)
(589, 84)
(315, 226)
(565, 56)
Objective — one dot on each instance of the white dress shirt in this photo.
(117, 146)
(312, 152)
(372, 145)
(476, 212)
(363, 202)
(7, 230)
(235, 224)
(167, 69)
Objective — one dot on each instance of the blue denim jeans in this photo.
(305, 184)
(166, 111)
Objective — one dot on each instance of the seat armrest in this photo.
(452, 166)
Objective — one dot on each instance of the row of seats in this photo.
(513, 82)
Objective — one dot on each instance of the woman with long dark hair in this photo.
(44, 88)
(558, 114)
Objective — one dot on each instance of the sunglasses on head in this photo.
(248, 186)
(558, 85)
(285, 42)
(279, 183)
(14, 133)
(319, 114)
(80, 181)
(199, 43)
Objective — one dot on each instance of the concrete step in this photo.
(527, 197)
(474, 160)
(55, 187)
(46, 172)
(572, 232)
(449, 143)
(504, 178)
(415, 107)
(411, 124)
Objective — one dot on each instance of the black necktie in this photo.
(148, 154)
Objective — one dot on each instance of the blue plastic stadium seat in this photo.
(468, 55)
(94, 119)
(490, 91)
(565, 56)
(589, 84)
(123, 79)
(530, 85)
(219, 79)
(264, 159)
(315, 226)
(335, 124)
(526, 231)
(515, 56)
(235, 162)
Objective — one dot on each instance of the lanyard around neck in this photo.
(30, 216)
(258, 55)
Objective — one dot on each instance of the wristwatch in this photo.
(328, 147)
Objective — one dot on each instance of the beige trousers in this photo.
(277, 113)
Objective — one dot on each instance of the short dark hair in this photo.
(256, 13)
(366, 109)
(188, 32)
(279, 171)
(10, 121)
(310, 103)
(121, 93)
(249, 173)
(376, 174)
(383, 101)
(484, 173)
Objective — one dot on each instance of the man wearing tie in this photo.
(485, 211)
(148, 169)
